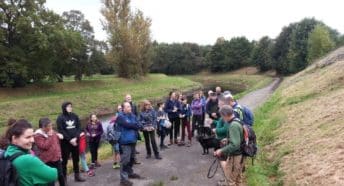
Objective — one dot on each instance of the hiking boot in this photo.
(78, 178)
(135, 176)
(126, 183)
(90, 173)
(148, 156)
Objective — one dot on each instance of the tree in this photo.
(129, 38)
(319, 43)
(261, 56)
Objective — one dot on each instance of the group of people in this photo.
(41, 156)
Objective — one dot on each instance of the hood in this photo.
(12, 149)
(64, 106)
(41, 132)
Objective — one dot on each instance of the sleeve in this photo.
(234, 142)
(168, 108)
(87, 129)
(155, 120)
(61, 128)
(42, 142)
(122, 122)
(40, 172)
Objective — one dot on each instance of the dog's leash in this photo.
(217, 162)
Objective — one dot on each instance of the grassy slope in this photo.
(301, 129)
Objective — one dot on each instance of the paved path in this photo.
(180, 166)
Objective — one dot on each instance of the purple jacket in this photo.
(196, 107)
(94, 129)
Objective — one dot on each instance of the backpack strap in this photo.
(15, 155)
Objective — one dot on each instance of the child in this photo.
(94, 131)
(185, 117)
(82, 152)
(48, 147)
(162, 131)
(111, 134)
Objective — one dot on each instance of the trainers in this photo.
(148, 156)
(90, 173)
(158, 157)
(92, 166)
(135, 176)
(126, 183)
(116, 165)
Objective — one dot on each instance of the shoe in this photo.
(135, 176)
(148, 156)
(165, 147)
(97, 164)
(116, 165)
(158, 157)
(90, 173)
(171, 143)
(92, 166)
(162, 148)
(78, 178)
(181, 143)
(126, 183)
(136, 162)
(176, 141)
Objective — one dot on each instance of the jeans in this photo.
(162, 136)
(150, 138)
(174, 128)
(58, 166)
(83, 162)
(68, 149)
(94, 145)
(127, 160)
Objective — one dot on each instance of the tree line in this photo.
(36, 44)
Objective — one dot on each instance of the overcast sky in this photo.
(203, 21)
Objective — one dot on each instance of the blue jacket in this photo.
(169, 105)
(204, 103)
(186, 110)
(128, 125)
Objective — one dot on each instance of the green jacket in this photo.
(30, 169)
(221, 129)
(235, 137)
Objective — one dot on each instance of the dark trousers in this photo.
(127, 160)
(162, 136)
(150, 138)
(186, 125)
(58, 166)
(175, 127)
(196, 123)
(94, 145)
(68, 149)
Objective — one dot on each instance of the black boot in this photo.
(78, 178)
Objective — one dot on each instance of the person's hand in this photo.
(213, 130)
(218, 153)
(73, 142)
(214, 115)
(59, 135)
(82, 133)
(93, 135)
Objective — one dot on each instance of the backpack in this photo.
(248, 146)
(248, 117)
(113, 134)
(9, 176)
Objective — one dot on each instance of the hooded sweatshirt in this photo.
(30, 169)
(68, 124)
(48, 146)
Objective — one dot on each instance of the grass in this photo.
(97, 94)
(265, 170)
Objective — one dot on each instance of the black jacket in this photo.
(68, 124)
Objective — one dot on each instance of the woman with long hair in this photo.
(94, 131)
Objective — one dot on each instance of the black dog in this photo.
(207, 140)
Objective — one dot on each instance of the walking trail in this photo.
(180, 166)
